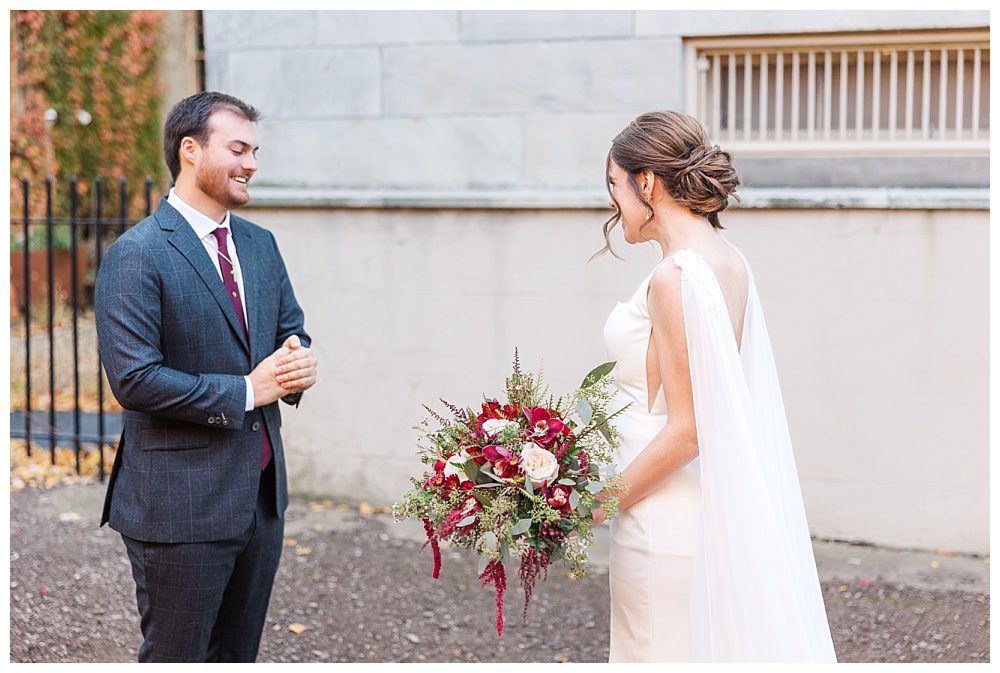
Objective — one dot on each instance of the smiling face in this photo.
(624, 199)
(225, 164)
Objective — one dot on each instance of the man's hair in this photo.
(189, 118)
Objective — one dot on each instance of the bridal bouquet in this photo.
(517, 479)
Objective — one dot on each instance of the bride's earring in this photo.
(649, 214)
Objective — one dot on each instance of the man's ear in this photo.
(190, 150)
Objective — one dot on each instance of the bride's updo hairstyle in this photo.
(675, 148)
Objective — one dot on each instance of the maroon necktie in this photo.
(233, 290)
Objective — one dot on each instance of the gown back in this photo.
(716, 564)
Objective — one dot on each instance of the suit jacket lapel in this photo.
(188, 244)
(246, 251)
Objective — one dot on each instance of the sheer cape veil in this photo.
(755, 590)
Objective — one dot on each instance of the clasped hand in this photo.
(290, 369)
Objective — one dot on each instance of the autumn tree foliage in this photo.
(99, 71)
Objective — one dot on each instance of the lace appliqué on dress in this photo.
(694, 268)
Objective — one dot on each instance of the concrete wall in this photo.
(464, 100)
(878, 321)
(879, 317)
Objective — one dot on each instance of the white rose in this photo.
(495, 426)
(455, 465)
(540, 465)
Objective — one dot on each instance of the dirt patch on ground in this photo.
(364, 593)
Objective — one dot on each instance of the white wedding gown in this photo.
(717, 563)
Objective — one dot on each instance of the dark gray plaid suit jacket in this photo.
(188, 463)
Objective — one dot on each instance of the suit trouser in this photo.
(206, 601)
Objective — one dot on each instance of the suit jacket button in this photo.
(256, 426)
(211, 420)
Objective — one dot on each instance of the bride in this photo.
(710, 557)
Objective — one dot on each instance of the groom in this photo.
(200, 335)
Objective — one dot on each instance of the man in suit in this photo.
(201, 335)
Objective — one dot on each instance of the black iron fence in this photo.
(69, 250)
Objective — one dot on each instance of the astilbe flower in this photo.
(438, 417)
(561, 450)
(496, 575)
(432, 541)
(584, 463)
(460, 414)
(533, 563)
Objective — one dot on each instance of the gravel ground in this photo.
(362, 590)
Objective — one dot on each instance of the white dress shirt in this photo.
(203, 227)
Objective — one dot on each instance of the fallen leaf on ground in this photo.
(297, 628)
(935, 564)
(41, 471)
(842, 588)
(302, 551)
(364, 509)
(291, 542)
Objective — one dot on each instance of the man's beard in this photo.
(216, 184)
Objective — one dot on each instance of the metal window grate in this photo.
(853, 93)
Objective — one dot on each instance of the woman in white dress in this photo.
(711, 558)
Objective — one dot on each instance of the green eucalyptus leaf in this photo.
(585, 411)
(574, 499)
(566, 482)
(492, 484)
(528, 487)
(522, 526)
(483, 562)
(504, 550)
(484, 498)
(604, 431)
(490, 540)
(595, 487)
(471, 470)
(467, 520)
(596, 373)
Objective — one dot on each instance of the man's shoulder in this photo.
(249, 227)
(146, 232)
